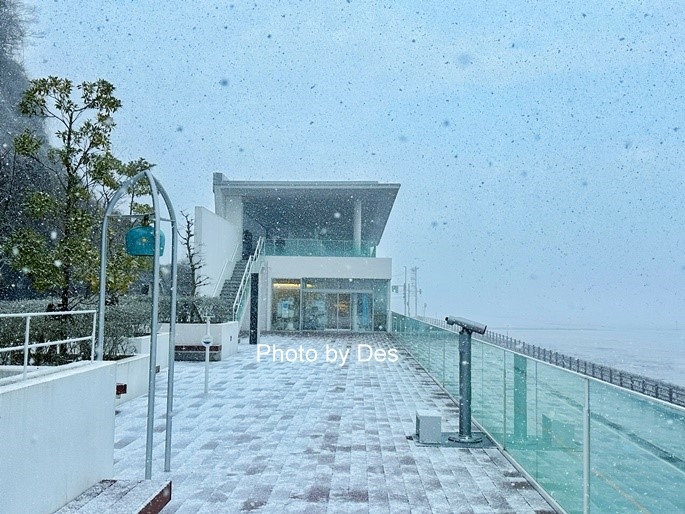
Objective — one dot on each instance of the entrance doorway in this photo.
(337, 311)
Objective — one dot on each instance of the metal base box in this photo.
(428, 427)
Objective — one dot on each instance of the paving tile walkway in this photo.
(278, 437)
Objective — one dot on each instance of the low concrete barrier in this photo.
(133, 371)
(58, 437)
(224, 335)
(142, 347)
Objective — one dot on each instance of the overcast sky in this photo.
(540, 145)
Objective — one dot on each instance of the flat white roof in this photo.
(304, 203)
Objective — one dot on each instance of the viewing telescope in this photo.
(467, 324)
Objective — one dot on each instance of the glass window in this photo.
(285, 305)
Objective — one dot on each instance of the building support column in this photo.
(254, 308)
(357, 236)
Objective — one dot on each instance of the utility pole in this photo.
(405, 301)
(415, 285)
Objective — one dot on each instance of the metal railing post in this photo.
(586, 449)
(92, 340)
(504, 400)
(26, 346)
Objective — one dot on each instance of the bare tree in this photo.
(14, 18)
(195, 261)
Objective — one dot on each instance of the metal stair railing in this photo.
(238, 304)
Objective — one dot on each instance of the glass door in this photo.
(330, 310)
(364, 311)
(344, 312)
(315, 315)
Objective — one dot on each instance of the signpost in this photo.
(207, 340)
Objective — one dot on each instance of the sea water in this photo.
(657, 354)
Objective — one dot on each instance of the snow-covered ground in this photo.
(315, 436)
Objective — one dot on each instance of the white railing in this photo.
(28, 345)
(246, 276)
(241, 288)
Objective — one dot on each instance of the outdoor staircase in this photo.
(196, 351)
(230, 288)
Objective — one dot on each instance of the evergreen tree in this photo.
(62, 255)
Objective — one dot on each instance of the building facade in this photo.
(316, 242)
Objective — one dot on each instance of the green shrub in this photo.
(193, 309)
(130, 317)
(42, 329)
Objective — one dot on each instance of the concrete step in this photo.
(121, 497)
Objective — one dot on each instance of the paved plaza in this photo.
(314, 437)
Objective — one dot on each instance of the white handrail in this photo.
(27, 329)
(246, 275)
(243, 281)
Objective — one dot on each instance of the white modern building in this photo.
(311, 246)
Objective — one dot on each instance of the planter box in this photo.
(132, 371)
(197, 352)
(225, 337)
(142, 346)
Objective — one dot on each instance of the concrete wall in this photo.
(142, 345)
(133, 371)
(217, 239)
(328, 267)
(57, 435)
(12, 370)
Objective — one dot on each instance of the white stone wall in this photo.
(142, 345)
(216, 238)
(57, 435)
(225, 334)
(328, 267)
(134, 372)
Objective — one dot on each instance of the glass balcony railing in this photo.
(318, 248)
(592, 446)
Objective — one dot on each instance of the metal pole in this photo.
(415, 271)
(465, 385)
(92, 337)
(404, 300)
(586, 449)
(206, 369)
(208, 342)
(26, 345)
(103, 261)
(504, 399)
(156, 189)
(172, 329)
(153, 335)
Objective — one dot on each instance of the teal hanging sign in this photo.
(140, 241)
